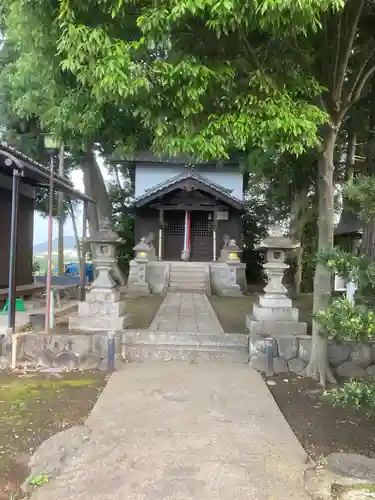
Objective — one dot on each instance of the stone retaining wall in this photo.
(293, 353)
(87, 351)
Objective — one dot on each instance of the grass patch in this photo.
(142, 310)
(232, 311)
(34, 408)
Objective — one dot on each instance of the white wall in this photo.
(148, 176)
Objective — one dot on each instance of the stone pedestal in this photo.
(274, 314)
(103, 309)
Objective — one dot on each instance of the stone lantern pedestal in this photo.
(103, 309)
(274, 314)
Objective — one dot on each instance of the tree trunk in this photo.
(95, 187)
(297, 281)
(368, 239)
(75, 230)
(318, 367)
(298, 212)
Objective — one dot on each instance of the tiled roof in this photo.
(38, 171)
(26, 159)
(188, 173)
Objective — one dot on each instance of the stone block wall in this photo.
(87, 351)
(291, 354)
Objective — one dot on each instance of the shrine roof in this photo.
(195, 180)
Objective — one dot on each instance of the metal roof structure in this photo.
(34, 173)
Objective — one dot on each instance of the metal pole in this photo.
(49, 256)
(269, 356)
(214, 244)
(214, 227)
(13, 250)
(82, 273)
(111, 350)
(60, 212)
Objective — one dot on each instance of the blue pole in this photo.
(269, 356)
(13, 250)
(111, 350)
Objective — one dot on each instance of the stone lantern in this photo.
(141, 258)
(233, 262)
(274, 313)
(234, 252)
(141, 251)
(102, 309)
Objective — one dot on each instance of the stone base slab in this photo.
(275, 313)
(232, 291)
(104, 296)
(97, 323)
(274, 328)
(101, 309)
(275, 301)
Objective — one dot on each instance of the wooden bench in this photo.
(23, 291)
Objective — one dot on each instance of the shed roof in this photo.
(34, 173)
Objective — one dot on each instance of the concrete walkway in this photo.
(179, 431)
(186, 313)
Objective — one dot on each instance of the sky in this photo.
(41, 223)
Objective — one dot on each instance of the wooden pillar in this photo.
(160, 235)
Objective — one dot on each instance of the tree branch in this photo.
(253, 54)
(362, 82)
(360, 75)
(344, 60)
(337, 50)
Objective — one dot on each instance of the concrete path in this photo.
(180, 431)
(186, 313)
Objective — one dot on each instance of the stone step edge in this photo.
(223, 336)
(187, 343)
(187, 347)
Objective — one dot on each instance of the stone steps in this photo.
(187, 276)
(165, 346)
(192, 288)
(211, 339)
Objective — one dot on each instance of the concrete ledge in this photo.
(71, 351)
(145, 337)
(183, 353)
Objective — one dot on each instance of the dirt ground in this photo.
(232, 311)
(321, 428)
(33, 408)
